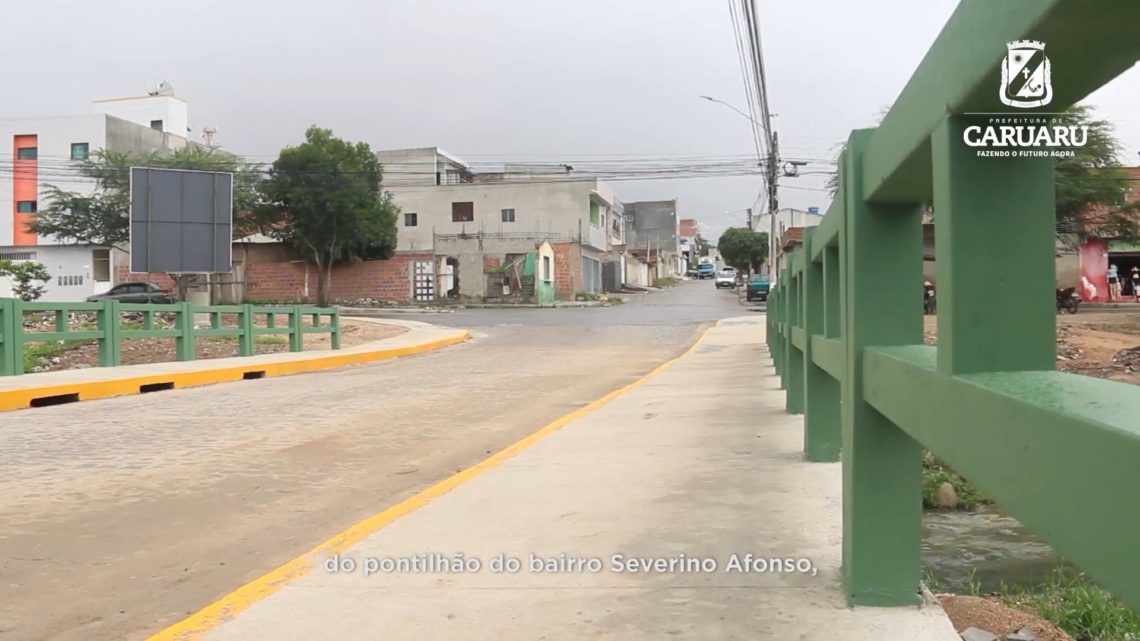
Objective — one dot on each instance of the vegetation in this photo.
(36, 353)
(743, 248)
(935, 473)
(1079, 607)
(28, 278)
(323, 198)
(101, 218)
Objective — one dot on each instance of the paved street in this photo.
(124, 515)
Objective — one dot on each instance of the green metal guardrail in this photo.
(109, 329)
(1061, 452)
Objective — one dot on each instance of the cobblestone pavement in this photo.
(123, 515)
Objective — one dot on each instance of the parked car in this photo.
(758, 288)
(135, 293)
(726, 277)
(706, 270)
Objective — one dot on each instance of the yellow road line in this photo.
(21, 398)
(194, 626)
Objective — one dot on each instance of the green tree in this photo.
(101, 217)
(743, 248)
(28, 278)
(323, 198)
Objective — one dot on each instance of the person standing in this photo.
(1113, 283)
(1136, 283)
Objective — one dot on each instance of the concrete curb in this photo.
(34, 390)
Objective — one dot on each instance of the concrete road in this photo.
(124, 515)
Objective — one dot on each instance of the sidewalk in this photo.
(695, 465)
(18, 392)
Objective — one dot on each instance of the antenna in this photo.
(208, 134)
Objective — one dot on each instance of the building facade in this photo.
(652, 227)
(785, 219)
(45, 151)
(463, 217)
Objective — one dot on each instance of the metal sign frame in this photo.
(215, 260)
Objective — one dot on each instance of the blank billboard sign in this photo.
(181, 221)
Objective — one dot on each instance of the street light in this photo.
(711, 99)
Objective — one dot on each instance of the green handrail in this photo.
(107, 327)
(1060, 452)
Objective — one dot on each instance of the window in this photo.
(101, 265)
(80, 151)
(411, 220)
(156, 124)
(462, 212)
(17, 255)
(595, 215)
(546, 268)
(508, 215)
(26, 206)
(27, 153)
(69, 281)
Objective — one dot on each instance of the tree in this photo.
(743, 248)
(101, 217)
(25, 275)
(323, 198)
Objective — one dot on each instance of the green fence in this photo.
(1060, 452)
(106, 325)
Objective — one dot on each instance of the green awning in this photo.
(1122, 246)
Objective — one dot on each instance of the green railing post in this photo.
(786, 327)
(108, 320)
(296, 329)
(821, 392)
(11, 349)
(334, 320)
(184, 344)
(246, 341)
(882, 466)
(794, 399)
(996, 308)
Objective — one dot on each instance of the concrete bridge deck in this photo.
(694, 464)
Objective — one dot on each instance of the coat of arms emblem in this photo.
(1026, 80)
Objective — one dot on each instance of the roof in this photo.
(792, 236)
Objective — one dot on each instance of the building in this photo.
(652, 227)
(785, 219)
(1099, 248)
(463, 234)
(44, 151)
(689, 232)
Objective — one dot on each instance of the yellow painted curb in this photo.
(194, 626)
(22, 398)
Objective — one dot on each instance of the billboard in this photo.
(181, 221)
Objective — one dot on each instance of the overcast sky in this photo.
(499, 79)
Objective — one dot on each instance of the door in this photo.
(423, 281)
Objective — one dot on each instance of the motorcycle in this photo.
(929, 304)
(1068, 300)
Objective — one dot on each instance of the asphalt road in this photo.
(121, 516)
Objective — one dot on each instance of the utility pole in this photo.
(773, 200)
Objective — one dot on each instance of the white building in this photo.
(785, 220)
(44, 151)
(443, 202)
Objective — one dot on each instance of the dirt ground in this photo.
(1100, 344)
(139, 351)
(991, 615)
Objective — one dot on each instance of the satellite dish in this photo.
(165, 89)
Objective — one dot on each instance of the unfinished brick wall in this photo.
(567, 269)
(124, 275)
(377, 279)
